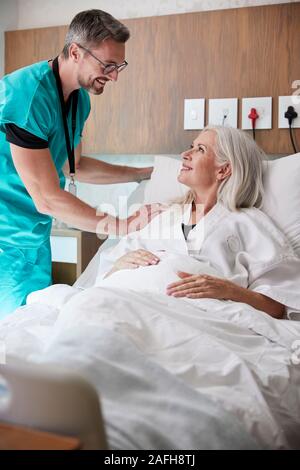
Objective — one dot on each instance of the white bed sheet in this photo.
(171, 373)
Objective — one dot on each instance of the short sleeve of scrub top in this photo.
(28, 106)
(30, 101)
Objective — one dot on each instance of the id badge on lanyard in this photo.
(69, 146)
(72, 186)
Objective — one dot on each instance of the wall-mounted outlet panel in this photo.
(223, 112)
(283, 103)
(194, 114)
(263, 107)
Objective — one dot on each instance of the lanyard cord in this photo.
(70, 150)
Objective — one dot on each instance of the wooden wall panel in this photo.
(27, 46)
(240, 52)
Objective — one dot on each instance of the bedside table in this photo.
(72, 250)
(18, 438)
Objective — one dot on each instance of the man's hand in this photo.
(143, 173)
(110, 225)
(143, 217)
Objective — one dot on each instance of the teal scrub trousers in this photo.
(22, 271)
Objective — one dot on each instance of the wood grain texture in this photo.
(19, 438)
(25, 47)
(240, 52)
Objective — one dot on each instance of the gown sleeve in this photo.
(273, 267)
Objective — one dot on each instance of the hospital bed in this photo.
(223, 378)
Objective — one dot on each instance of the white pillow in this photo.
(281, 182)
(282, 196)
(163, 185)
(137, 196)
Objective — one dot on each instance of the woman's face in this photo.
(199, 168)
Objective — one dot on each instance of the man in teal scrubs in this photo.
(33, 153)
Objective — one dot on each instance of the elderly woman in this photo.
(221, 226)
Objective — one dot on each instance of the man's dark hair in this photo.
(91, 27)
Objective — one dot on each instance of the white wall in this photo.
(8, 20)
(40, 13)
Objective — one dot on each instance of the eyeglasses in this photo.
(107, 68)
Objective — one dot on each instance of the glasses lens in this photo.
(109, 69)
(122, 67)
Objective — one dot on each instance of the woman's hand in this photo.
(133, 260)
(203, 286)
(200, 286)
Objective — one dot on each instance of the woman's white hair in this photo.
(244, 187)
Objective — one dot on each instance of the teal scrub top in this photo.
(29, 99)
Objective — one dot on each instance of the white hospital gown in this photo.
(243, 246)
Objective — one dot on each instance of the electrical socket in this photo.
(283, 103)
(263, 106)
(218, 108)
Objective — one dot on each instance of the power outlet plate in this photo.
(219, 108)
(263, 107)
(194, 110)
(283, 103)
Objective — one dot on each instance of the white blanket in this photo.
(171, 373)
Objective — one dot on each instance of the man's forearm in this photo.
(95, 171)
(258, 301)
(74, 212)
